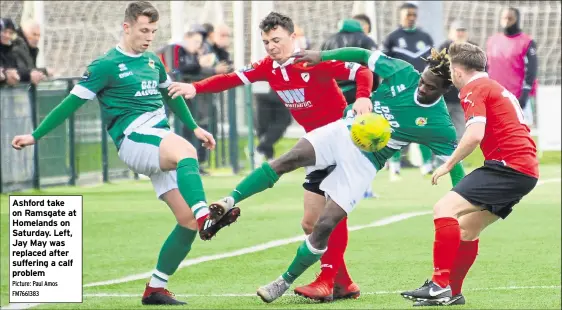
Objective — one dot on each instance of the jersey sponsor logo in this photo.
(148, 89)
(151, 63)
(421, 121)
(305, 76)
(125, 74)
(294, 98)
(385, 111)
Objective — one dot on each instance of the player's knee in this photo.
(307, 226)
(173, 149)
(469, 234)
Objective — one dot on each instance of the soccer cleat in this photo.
(273, 290)
(455, 300)
(219, 208)
(429, 291)
(211, 227)
(159, 296)
(318, 290)
(350, 291)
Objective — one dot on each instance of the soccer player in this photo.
(413, 104)
(494, 120)
(314, 99)
(126, 81)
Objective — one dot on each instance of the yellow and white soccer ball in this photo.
(370, 132)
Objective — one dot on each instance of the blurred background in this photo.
(197, 39)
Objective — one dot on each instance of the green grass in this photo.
(124, 227)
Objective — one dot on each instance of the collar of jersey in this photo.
(477, 76)
(424, 105)
(120, 50)
(287, 62)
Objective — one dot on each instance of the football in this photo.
(370, 132)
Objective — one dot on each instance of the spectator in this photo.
(409, 43)
(217, 43)
(365, 22)
(9, 75)
(26, 51)
(457, 33)
(350, 34)
(512, 61)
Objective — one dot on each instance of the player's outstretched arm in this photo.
(350, 54)
(214, 84)
(56, 117)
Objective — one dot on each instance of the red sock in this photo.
(342, 277)
(466, 255)
(201, 221)
(445, 247)
(333, 258)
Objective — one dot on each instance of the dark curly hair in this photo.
(438, 64)
(274, 20)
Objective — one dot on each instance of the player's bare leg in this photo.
(264, 177)
(446, 213)
(333, 280)
(173, 252)
(308, 253)
(178, 154)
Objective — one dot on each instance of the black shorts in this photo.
(495, 187)
(313, 180)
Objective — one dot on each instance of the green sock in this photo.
(426, 154)
(175, 249)
(259, 180)
(191, 186)
(304, 259)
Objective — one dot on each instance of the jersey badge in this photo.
(151, 63)
(421, 121)
(305, 76)
(420, 45)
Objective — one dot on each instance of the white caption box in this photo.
(45, 249)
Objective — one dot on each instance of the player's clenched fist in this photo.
(308, 56)
(22, 141)
(181, 89)
(362, 106)
(206, 137)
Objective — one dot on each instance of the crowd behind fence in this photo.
(80, 150)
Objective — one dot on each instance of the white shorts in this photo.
(354, 173)
(140, 151)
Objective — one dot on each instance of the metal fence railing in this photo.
(80, 150)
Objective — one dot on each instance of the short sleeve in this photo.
(164, 79)
(475, 108)
(94, 79)
(253, 72)
(385, 66)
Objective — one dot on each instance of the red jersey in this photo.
(507, 138)
(310, 93)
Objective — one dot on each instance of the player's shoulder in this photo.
(109, 57)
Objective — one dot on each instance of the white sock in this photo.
(394, 167)
(158, 279)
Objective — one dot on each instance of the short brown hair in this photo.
(141, 8)
(274, 20)
(468, 55)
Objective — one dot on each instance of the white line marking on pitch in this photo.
(256, 248)
(260, 247)
(501, 288)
